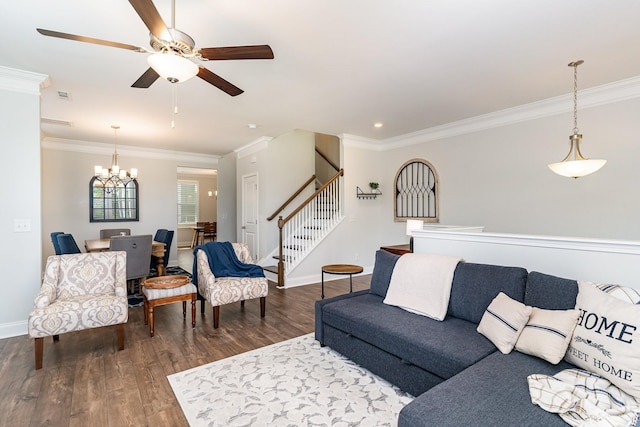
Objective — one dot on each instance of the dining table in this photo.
(157, 250)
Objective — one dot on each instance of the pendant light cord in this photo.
(575, 97)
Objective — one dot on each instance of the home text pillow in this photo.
(503, 321)
(547, 334)
(606, 339)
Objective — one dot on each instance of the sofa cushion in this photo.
(493, 392)
(382, 270)
(606, 340)
(503, 321)
(476, 285)
(550, 292)
(442, 348)
(548, 333)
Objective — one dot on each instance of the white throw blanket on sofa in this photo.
(421, 284)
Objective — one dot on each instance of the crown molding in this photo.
(593, 97)
(253, 147)
(356, 141)
(90, 147)
(22, 81)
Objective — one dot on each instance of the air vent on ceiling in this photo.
(56, 122)
(63, 94)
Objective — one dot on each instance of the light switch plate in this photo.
(21, 225)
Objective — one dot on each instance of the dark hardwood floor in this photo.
(85, 381)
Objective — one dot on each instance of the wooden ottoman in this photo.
(166, 290)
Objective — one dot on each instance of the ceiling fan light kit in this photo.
(172, 67)
(575, 165)
(173, 51)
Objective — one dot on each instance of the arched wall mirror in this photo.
(416, 192)
(109, 203)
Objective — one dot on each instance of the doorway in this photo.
(249, 226)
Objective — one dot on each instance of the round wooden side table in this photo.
(349, 269)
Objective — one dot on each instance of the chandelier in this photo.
(114, 177)
(574, 165)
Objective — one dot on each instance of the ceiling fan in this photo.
(173, 51)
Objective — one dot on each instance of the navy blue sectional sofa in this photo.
(456, 374)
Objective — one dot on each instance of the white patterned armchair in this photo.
(226, 290)
(80, 291)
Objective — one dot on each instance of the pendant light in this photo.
(575, 165)
(114, 177)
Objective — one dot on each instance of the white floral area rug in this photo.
(292, 383)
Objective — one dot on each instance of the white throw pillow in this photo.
(548, 333)
(623, 293)
(606, 339)
(503, 321)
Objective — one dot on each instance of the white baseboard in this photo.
(14, 329)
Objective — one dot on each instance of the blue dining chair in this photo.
(165, 236)
(54, 240)
(67, 244)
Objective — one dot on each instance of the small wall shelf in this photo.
(362, 195)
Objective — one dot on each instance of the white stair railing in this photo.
(306, 226)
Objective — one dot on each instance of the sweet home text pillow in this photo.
(606, 339)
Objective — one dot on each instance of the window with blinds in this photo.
(187, 202)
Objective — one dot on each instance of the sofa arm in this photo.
(319, 330)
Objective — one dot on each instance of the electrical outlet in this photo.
(21, 225)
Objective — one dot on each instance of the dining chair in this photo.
(165, 236)
(67, 244)
(107, 233)
(138, 249)
(54, 240)
(210, 231)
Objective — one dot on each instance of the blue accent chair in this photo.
(67, 244)
(54, 240)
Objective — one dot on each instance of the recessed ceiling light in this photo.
(377, 125)
(252, 125)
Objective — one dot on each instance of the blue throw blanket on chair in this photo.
(223, 262)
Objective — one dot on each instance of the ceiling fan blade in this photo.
(146, 79)
(219, 82)
(151, 18)
(237, 52)
(89, 40)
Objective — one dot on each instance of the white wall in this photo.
(227, 196)
(498, 178)
(65, 184)
(20, 174)
(283, 164)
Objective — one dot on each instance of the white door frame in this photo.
(254, 246)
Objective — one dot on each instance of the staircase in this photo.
(306, 226)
